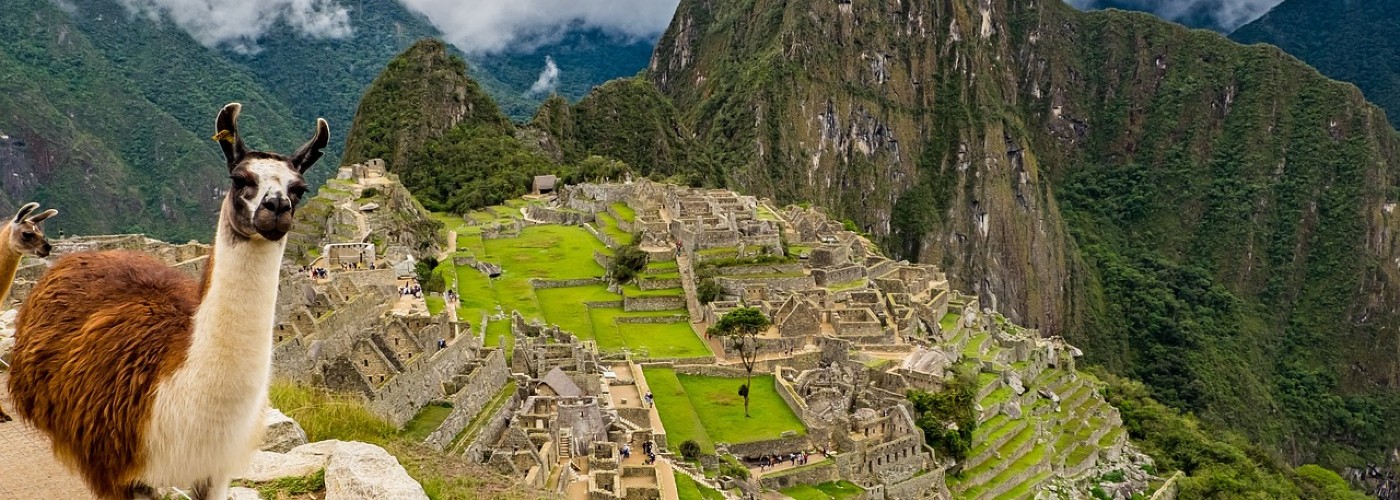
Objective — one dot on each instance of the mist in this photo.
(494, 26)
(548, 80)
(237, 25)
(1225, 15)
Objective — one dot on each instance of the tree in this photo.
(708, 291)
(742, 326)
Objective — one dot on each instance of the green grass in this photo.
(949, 321)
(435, 304)
(715, 403)
(324, 416)
(624, 212)
(765, 214)
(565, 307)
(679, 418)
(632, 290)
(662, 340)
(427, 420)
(688, 489)
(837, 490)
(608, 225)
(288, 486)
(664, 265)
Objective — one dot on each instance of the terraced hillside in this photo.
(1039, 427)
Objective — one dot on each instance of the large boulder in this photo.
(239, 493)
(282, 434)
(362, 471)
(268, 466)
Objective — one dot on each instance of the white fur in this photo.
(207, 415)
(273, 178)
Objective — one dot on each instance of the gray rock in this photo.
(240, 493)
(269, 466)
(282, 434)
(361, 471)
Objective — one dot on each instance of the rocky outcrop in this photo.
(282, 433)
(353, 470)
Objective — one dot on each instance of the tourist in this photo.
(442, 344)
(626, 451)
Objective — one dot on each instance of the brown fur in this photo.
(87, 364)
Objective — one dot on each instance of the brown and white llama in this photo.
(143, 377)
(23, 235)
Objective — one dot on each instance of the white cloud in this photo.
(237, 24)
(1227, 14)
(489, 26)
(548, 80)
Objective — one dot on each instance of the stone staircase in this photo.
(566, 446)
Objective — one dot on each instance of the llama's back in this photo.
(92, 342)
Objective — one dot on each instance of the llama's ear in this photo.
(226, 132)
(43, 216)
(307, 155)
(24, 211)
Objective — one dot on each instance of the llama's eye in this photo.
(296, 190)
(240, 182)
(28, 235)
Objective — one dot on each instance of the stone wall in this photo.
(400, 398)
(664, 303)
(760, 269)
(645, 283)
(492, 429)
(828, 277)
(541, 283)
(478, 388)
(813, 473)
(736, 285)
(927, 485)
(556, 216)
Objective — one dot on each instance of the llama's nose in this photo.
(277, 204)
(44, 252)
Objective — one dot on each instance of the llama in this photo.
(143, 377)
(19, 237)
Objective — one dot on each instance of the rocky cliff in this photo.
(1212, 218)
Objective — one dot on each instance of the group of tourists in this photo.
(318, 273)
(766, 462)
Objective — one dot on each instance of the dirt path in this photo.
(30, 470)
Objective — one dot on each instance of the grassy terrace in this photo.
(631, 290)
(624, 212)
(688, 489)
(949, 321)
(427, 420)
(661, 340)
(663, 266)
(839, 490)
(709, 409)
(608, 225)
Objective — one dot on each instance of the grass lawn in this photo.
(625, 212)
(664, 340)
(677, 415)
(948, 321)
(701, 408)
(688, 489)
(565, 306)
(631, 290)
(838, 490)
(554, 252)
(426, 421)
(663, 266)
(435, 304)
(607, 224)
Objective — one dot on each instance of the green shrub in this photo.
(708, 291)
(629, 261)
(690, 449)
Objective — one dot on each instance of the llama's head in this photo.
(27, 231)
(266, 186)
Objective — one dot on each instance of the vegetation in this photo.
(708, 291)
(690, 450)
(837, 490)
(706, 409)
(626, 263)
(328, 416)
(1217, 465)
(741, 327)
(688, 489)
(949, 417)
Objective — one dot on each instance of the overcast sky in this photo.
(1228, 14)
(475, 26)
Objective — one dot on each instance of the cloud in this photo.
(491, 26)
(237, 24)
(548, 80)
(1224, 14)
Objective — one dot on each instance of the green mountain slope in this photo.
(1216, 220)
(94, 137)
(1348, 40)
(441, 133)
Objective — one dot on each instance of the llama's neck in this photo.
(9, 262)
(233, 325)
